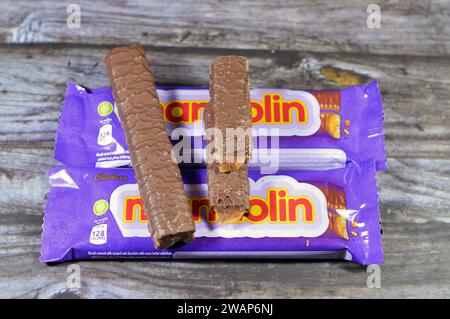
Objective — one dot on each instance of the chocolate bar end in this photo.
(125, 49)
(158, 177)
(228, 193)
(172, 239)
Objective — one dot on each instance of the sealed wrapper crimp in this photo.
(158, 177)
(330, 214)
(349, 120)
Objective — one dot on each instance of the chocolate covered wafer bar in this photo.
(158, 177)
(229, 115)
(229, 112)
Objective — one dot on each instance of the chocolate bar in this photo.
(229, 111)
(228, 193)
(229, 108)
(158, 177)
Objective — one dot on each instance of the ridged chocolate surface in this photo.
(229, 105)
(159, 178)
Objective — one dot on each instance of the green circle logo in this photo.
(100, 207)
(105, 108)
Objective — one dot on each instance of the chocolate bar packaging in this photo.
(312, 214)
(348, 121)
(138, 159)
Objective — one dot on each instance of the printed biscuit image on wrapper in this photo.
(330, 214)
(349, 120)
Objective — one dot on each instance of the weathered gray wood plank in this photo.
(407, 27)
(416, 220)
(413, 270)
(415, 90)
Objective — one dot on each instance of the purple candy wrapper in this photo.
(96, 213)
(349, 121)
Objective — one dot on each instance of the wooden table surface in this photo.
(290, 44)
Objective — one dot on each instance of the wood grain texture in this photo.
(290, 44)
(407, 27)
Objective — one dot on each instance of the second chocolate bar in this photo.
(158, 177)
(228, 112)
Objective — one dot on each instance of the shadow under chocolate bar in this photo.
(158, 177)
